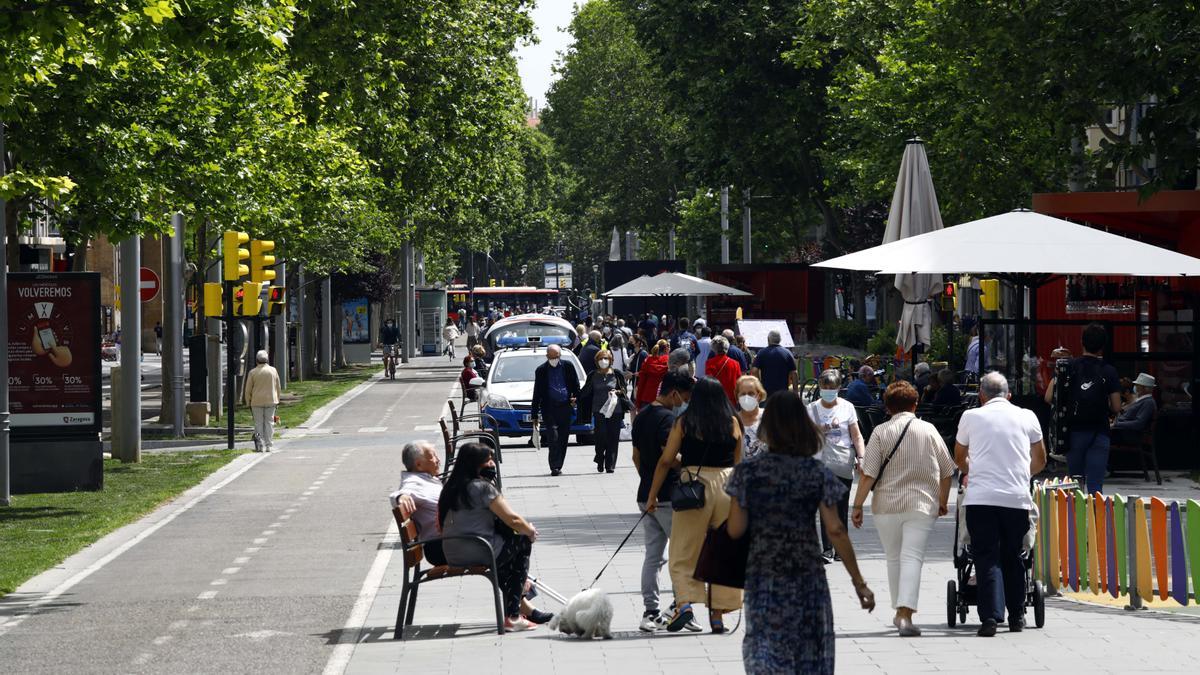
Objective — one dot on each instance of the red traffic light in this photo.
(949, 289)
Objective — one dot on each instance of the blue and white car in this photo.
(508, 391)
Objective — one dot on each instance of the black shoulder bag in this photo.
(890, 454)
(688, 494)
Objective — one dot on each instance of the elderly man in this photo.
(681, 359)
(261, 393)
(1000, 445)
(417, 498)
(555, 388)
(774, 365)
(859, 391)
(921, 376)
(735, 352)
(587, 355)
(1137, 417)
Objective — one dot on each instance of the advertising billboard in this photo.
(54, 352)
(356, 322)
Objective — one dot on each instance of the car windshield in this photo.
(524, 330)
(518, 367)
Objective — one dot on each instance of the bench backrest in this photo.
(408, 534)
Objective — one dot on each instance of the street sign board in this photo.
(558, 275)
(148, 284)
(755, 331)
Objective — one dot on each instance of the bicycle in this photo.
(389, 361)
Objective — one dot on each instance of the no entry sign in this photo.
(148, 284)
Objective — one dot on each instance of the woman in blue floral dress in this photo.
(789, 620)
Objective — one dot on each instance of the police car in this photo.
(508, 391)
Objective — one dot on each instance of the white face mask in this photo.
(603, 364)
(748, 402)
(553, 362)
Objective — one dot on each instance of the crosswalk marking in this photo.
(372, 430)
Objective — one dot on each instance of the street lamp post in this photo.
(596, 279)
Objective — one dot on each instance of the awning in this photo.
(1019, 243)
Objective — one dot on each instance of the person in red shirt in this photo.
(468, 374)
(650, 374)
(725, 369)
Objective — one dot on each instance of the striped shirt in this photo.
(910, 481)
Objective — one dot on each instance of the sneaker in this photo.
(518, 624)
(652, 622)
(683, 616)
(988, 629)
(539, 617)
(692, 626)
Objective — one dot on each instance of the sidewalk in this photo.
(583, 515)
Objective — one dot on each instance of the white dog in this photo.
(588, 615)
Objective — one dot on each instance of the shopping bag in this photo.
(610, 405)
(626, 431)
(537, 437)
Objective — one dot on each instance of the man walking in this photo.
(1000, 446)
(735, 352)
(774, 365)
(1093, 396)
(651, 428)
(262, 395)
(555, 389)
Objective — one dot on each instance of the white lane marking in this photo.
(285, 516)
(372, 430)
(426, 427)
(260, 540)
(217, 582)
(142, 659)
(251, 549)
(275, 524)
(307, 493)
(267, 533)
(241, 560)
(323, 414)
(231, 570)
(162, 640)
(112, 555)
(352, 633)
(209, 595)
(178, 625)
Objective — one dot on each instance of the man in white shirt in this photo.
(420, 489)
(1000, 446)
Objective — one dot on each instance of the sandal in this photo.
(717, 624)
(683, 615)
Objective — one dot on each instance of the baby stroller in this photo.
(961, 592)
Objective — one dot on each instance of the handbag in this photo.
(722, 558)
(889, 457)
(626, 431)
(687, 495)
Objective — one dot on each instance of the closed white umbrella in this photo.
(914, 212)
(614, 248)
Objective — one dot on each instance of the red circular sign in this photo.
(148, 284)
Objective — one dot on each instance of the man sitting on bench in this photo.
(1135, 418)
(417, 498)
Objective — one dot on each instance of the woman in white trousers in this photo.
(909, 468)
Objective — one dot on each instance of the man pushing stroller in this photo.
(1000, 446)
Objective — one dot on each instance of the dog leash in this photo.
(619, 547)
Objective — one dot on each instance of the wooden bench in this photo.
(412, 550)
(1144, 448)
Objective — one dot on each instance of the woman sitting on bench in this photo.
(472, 505)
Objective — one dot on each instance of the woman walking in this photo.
(605, 382)
(750, 395)
(909, 468)
(471, 505)
(842, 452)
(650, 374)
(789, 617)
(707, 440)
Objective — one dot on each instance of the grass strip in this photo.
(39, 531)
(310, 394)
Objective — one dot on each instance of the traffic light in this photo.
(276, 300)
(238, 296)
(261, 261)
(213, 302)
(233, 254)
(989, 294)
(492, 282)
(949, 296)
(251, 298)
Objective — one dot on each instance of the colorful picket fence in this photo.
(1114, 545)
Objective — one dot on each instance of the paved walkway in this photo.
(583, 515)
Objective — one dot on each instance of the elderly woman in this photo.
(723, 367)
(837, 419)
(909, 467)
(601, 383)
(750, 395)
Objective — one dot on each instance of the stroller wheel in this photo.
(1039, 604)
(951, 603)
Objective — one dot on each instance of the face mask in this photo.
(829, 395)
(603, 364)
(748, 402)
(553, 362)
(488, 473)
(680, 409)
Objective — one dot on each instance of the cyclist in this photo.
(389, 337)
